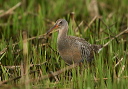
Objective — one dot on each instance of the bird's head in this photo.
(60, 25)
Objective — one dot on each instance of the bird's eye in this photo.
(60, 22)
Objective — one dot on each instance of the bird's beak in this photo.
(52, 28)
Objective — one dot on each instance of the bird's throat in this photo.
(62, 34)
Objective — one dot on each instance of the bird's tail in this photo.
(97, 48)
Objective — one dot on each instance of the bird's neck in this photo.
(62, 40)
(62, 34)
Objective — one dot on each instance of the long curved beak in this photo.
(52, 28)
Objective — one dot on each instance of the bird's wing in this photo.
(83, 46)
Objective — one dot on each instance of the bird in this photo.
(73, 49)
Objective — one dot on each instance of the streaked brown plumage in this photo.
(73, 49)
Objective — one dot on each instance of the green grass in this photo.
(37, 18)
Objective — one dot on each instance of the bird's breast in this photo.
(69, 52)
